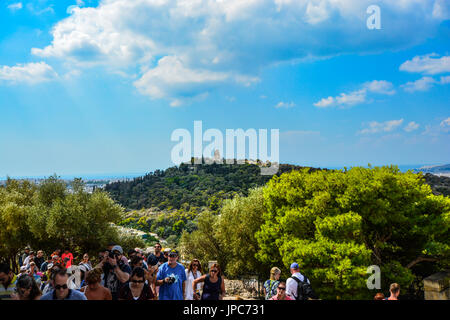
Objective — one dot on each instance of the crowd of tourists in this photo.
(115, 276)
(135, 276)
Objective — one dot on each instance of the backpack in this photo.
(304, 289)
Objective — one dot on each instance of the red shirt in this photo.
(286, 297)
(67, 255)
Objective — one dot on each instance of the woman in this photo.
(214, 285)
(193, 272)
(281, 292)
(136, 289)
(86, 262)
(27, 288)
(270, 286)
(94, 290)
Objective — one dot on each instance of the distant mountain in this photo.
(438, 169)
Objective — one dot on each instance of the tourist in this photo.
(140, 253)
(27, 288)
(296, 281)
(157, 258)
(67, 258)
(44, 265)
(24, 255)
(270, 286)
(28, 259)
(394, 290)
(193, 272)
(61, 290)
(171, 278)
(115, 271)
(39, 259)
(379, 296)
(281, 292)
(22, 271)
(85, 261)
(137, 289)
(33, 271)
(94, 290)
(214, 285)
(8, 282)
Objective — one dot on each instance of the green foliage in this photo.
(49, 217)
(335, 224)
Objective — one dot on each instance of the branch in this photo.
(419, 259)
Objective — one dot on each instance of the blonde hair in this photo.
(394, 288)
(273, 272)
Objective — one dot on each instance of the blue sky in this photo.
(89, 87)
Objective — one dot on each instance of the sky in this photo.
(98, 87)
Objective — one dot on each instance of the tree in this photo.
(240, 218)
(335, 224)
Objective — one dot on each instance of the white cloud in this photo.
(357, 96)
(286, 105)
(237, 38)
(15, 6)
(170, 76)
(445, 80)
(376, 127)
(380, 86)
(411, 126)
(30, 73)
(446, 123)
(427, 64)
(423, 84)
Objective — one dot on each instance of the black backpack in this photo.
(304, 289)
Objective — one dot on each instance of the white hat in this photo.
(23, 268)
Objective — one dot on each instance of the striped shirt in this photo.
(5, 293)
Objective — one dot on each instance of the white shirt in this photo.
(188, 292)
(292, 285)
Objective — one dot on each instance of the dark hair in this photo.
(139, 272)
(26, 282)
(199, 265)
(5, 268)
(94, 275)
(58, 271)
(158, 244)
(135, 260)
(131, 251)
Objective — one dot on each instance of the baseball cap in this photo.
(23, 268)
(294, 265)
(117, 248)
(173, 251)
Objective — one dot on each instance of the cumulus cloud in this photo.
(423, 84)
(376, 127)
(427, 64)
(357, 96)
(445, 123)
(411, 126)
(234, 38)
(30, 73)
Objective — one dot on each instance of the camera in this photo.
(171, 280)
(111, 255)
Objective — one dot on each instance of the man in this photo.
(116, 272)
(24, 256)
(171, 278)
(296, 281)
(8, 282)
(394, 289)
(140, 253)
(28, 259)
(44, 265)
(60, 289)
(281, 292)
(39, 259)
(156, 258)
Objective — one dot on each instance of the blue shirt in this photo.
(172, 291)
(73, 295)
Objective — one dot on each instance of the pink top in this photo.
(286, 297)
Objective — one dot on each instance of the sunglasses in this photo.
(213, 271)
(195, 265)
(59, 287)
(282, 288)
(23, 290)
(138, 281)
(172, 255)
